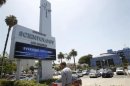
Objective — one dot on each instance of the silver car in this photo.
(74, 74)
(120, 71)
(128, 69)
(79, 73)
(93, 73)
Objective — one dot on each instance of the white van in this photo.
(128, 69)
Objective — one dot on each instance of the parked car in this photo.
(128, 69)
(113, 69)
(79, 73)
(85, 72)
(100, 71)
(93, 73)
(120, 71)
(30, 77)
(74, 74)
(76, 81)
(23, 78)
(11, 78)
(107, 73)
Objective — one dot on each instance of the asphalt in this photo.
(115, 81)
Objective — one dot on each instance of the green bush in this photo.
(4, 82)
(24, 83)
(48, 82)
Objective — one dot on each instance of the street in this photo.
(117, 80)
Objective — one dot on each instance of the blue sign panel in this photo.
(27, 51)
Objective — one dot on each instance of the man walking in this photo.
(66, 75)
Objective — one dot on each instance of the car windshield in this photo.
(107, 70)
(79, 71)
(92, 71)
(100, 70)
(120, 68)
(73, 72)
(84, 70)
(22, 77)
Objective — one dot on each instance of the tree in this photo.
(6, 55)
(61, 56)
(73, 54)
(2, 2)
(10, 21)
(123, 59)
(85, 59)
(32, 69)
(57, 68)
(9, 66)
(53, 63)
(125, 63)
(67, 56)
(79, 67)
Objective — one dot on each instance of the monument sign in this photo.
(30, 44)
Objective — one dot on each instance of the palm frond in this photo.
(2, 2)
(11, 20)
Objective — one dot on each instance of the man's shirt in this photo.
(66, 76)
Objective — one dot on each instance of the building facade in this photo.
(111, 58)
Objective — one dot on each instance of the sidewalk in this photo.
(106, 82)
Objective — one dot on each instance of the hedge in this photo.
(48, 82)
(24, 83)
(4, 82)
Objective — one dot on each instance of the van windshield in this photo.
(128, 67)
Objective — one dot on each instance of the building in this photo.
(106, 60)
(111, 58)
(125, 54)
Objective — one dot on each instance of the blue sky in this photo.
(88, 26)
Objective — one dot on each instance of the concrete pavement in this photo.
(105, 81)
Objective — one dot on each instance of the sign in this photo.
(30, 44)
(28, 51)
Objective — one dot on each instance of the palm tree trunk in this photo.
(74, 63)
(4, 51)
(61, 60)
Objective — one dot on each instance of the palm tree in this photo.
(73, 53)
(67, 56)
(2, 2)
(10, 21)
(61, 56)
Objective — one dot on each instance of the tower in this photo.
(45, 27)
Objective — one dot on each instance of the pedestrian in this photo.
(66, 75)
